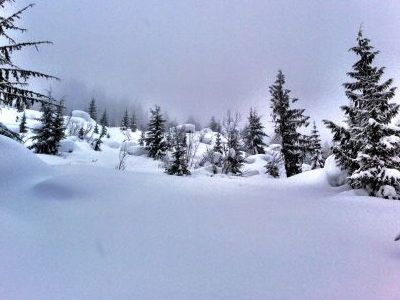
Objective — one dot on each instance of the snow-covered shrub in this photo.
(335, 176)
(67, 146)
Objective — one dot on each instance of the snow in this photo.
(81, 114)
(18, 164)
(76, 228)
(187, 128)
(335, 176)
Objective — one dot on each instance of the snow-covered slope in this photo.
(79, 229)
(83, 232)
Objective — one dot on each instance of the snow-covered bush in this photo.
(335, 176)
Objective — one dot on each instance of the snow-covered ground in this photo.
(79, 229)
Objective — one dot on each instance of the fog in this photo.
(199, 58)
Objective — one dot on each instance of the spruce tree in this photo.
(58, 124)
(125, 121)
(142, 138)
(132, 122)
(97, 142)
(14, 79)
(104, 119)
(218, 144)
(214, 125)
(93, 109)
(254, 134)
(287, 121)
(179, 164)
(315, 148)
(81, 133)
(48, 137)
(22, 125)
(233, 159)
(155, 143)
(369, 147)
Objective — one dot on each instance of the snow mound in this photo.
(17, 163)
(81, 114)
(36, 126)
(187, 128)
(112, 144)
(68, 146)
(128, 144)
(208, 137)
(206, 130)
(335, 176)
(137, 151)
(32, 114)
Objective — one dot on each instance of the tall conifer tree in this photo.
(287, 122)
(155, 142)
(254, 134)
(125, 121)
(315, 148)
(369, 147)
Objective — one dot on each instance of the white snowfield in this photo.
(78, 229)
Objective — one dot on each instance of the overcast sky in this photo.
(202, 57)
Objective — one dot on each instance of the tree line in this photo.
(367, 147)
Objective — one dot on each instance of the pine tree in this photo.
(287, 121)
(132, 122)
(218, 144)
(81, 134)
(93, 109)
(125, 121)
(254, 134)
(48, 137)
(214, 125)
(96, 129)
(22, 125)
(155, 143)
(104, 119)
(13, 79)
(97, 142)
(58, 124)
(233, 159)
(179, 164)
(142, 138)
(315, 148)
(369, 148)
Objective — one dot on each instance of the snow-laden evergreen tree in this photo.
(218, 144)
(233, 159)
(96, 129)
(315, 148)
(369, 148)
(133, 123)
(98, 141)
(179, 162)
(214, 125)
(142, 138)
(22, 125)
(125, 121)
(287, 122)
(254, 134)
(93, 109)
(48, 137)
(104, 119)
(155, 142)
(58, 123)
(14, 79)
(81, 133)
